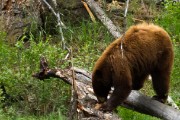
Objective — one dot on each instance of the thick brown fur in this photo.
(147, 50)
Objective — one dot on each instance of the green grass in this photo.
(127, 114)
(11, 116)
(88, 41)
(170, 19)
(175, 78)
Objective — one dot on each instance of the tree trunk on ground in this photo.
(87, 100)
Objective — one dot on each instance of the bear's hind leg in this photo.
(161, 81)
(138, 82)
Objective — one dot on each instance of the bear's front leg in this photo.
(106, 107)
(119, 94)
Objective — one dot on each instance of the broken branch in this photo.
(103, 18)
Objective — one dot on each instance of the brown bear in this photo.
(145, 49)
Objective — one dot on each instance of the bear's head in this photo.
(101, 81)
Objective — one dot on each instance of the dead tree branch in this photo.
(103, 18)
(125, 15)
(60, 24)
(89, 11)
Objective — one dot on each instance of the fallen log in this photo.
(87, 100)
(143, 104)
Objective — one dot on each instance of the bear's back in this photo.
(142, 43)
(145, 45)
(146, 33)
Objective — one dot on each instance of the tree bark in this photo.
(16, 17)
(87, 100)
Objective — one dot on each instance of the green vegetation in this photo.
(10, 115)
(49, 100)
(175, 78)
(88, 41)
(18, 63)
(128, 114)
(170, 19)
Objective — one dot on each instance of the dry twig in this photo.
(89, 11)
